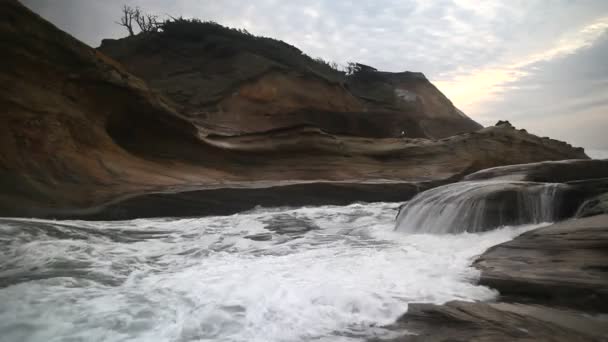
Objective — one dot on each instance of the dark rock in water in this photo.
(475, 206)
(478, 206)
(564, 264)
(497, 196)
(289, 224)
(510, 195)
(595, 206)
(491, 322)
(553, 283)
(595, 195)
(259, 237)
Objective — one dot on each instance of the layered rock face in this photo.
(79, 134)
(60, 99)
(231, 83)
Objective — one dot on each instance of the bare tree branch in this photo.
(147, 22)
(126, 20)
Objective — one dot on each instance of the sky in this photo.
(541, 64)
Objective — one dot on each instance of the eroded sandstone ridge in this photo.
(80, 134)
(232, 83)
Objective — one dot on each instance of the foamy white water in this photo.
(308, 274)
(478, 206)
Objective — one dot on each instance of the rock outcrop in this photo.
(548, 172)
(498, 322)
(62, 102)
(483, 205)
(81, 135)
(510, 195)
(552, 281)
(232, 83)
(584, 183)
(553, 284)
(594, 206)
(565, 265)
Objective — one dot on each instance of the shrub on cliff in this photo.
(216, 35)
(227, 41)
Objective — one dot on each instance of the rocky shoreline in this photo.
(552, 283)
(218, 121)
(82, 131)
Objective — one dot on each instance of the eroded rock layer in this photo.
(232, 83)
(79, 133)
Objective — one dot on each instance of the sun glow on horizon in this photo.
(470, 90)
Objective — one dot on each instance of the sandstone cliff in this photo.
(231, 83)
(79, 132)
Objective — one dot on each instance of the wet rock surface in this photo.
(549, 171)
(565, 264)
(584, 183)
(489, 322)
(260, 237)
(553, 285)
(477, 206)
(510, 195)
(594, 206)
(289, 224)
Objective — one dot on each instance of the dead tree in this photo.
(128, 15)
(146, 22)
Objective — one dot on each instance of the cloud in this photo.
(565, 97)
(473, 88)
(477, 52)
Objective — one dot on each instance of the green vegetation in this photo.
(232, 40)
(229, 41)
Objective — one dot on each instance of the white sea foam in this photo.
(203, 280)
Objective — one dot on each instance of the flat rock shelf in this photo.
(553, 285)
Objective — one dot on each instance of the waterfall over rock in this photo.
(479, 206)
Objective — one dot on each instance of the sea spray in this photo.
(204, 279)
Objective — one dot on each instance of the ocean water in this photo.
(307, 274)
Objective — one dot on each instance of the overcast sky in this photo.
(542, 64)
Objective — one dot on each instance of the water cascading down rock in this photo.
(479, 206)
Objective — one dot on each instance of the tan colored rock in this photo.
(232, 83)
(78, 132)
